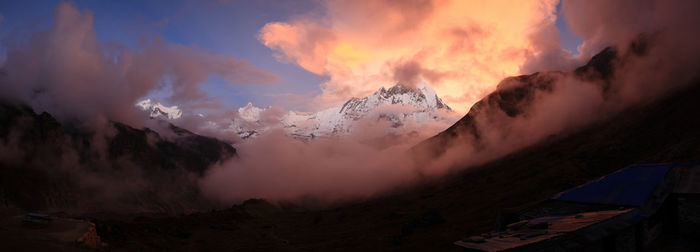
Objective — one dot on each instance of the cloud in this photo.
(463, 48)
(411, 72)
(657, 53)
(279, 168)
(66, 71)
(304, 42)
(667, 29)
(604, 23)
(291, 100)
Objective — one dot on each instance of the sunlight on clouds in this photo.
(461, 48)
(347, 55)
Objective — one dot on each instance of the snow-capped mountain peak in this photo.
(419, 104)
(400, 105)
(422, 97)
(158, 110)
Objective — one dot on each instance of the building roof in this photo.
(555, 226)
(637, 191)
(630, 186)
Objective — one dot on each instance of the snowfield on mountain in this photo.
(397, 110)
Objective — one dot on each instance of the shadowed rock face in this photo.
(48, 165)
(514, 97)
(399, 89)
(187, 150)
(599, 67)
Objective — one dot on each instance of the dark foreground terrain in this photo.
(48, 166)
(433, 216)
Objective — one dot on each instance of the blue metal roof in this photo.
(628, 187)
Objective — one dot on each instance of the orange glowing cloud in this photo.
(461, 48)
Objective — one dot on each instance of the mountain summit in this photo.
(421, 97)
(400, 105)
(158, 110)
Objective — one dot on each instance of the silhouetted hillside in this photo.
(47, 166)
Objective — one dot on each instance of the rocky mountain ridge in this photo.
(399, 105)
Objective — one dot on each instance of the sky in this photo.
(237, 29)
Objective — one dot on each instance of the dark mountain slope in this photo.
(515, 96)
(44, 165)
